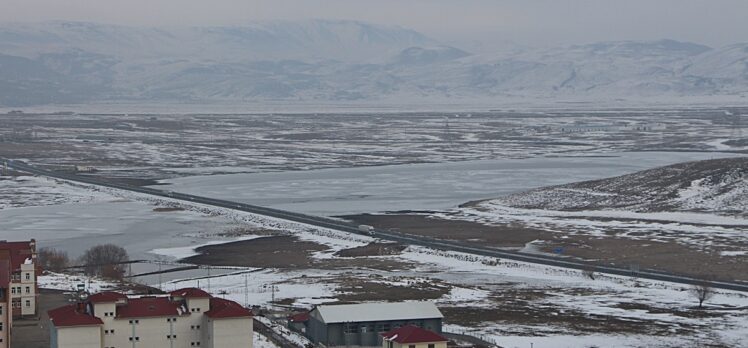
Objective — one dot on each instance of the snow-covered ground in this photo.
(68, 282)
(473, 283)
(260, 341)
(653, 314)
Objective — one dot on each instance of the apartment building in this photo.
(18, 288)
(184, 318)
(23, 273)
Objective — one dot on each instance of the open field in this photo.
(258, 260)
(166, 145)
(698, 250)
(509, 301)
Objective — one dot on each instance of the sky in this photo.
(526, 22)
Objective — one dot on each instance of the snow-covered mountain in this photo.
(715, 186)
(330, 61)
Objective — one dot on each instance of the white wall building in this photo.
(184, 318)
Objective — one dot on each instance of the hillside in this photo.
(717, 186)
(341, 61)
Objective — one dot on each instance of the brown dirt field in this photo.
(274, 252)
(239, 231)
(167, 209)
(357, 290)
(549, 317)
(372, 249)
(506, 236)
(622, 252)
(284, 252)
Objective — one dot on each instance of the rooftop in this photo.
(190, 293)
(72, 315)
(143, 307)
(151, 306)
(412, 334)
(220, 308)
(299, 317)
(107, 296)
(378, 311)
(19, 252)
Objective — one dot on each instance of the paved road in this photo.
(386, 234)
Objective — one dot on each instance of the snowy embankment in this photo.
(717, 187)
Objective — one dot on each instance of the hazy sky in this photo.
(533, 22)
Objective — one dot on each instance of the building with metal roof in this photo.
(363, 324)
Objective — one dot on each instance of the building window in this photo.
(28, 276)
(1, 326)
(28, 303)
(135, 321)
(195, 344)
(431, 345)
(137, 338)
(411, 346)
(13, 290)
(171, 337)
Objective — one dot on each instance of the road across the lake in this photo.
(386, 234)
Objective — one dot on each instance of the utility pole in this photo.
(272, 294)
(246, 293)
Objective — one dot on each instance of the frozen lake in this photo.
(433, 186)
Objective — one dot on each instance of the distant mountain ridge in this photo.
(716, 186)
(338, 61)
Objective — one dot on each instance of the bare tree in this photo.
(702, 291)
(106, 260)
(54, 260)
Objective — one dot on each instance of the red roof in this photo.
(412, 334)
(190, 293)
(106, 296)
(150, 307)
(72, 315)
(299, 317)
(220, 308)
(19, 252)
(4, 273)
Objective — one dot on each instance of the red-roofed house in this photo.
(185, 318)
(410, 336)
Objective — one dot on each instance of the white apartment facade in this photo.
(185, 318)
(23, 292)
